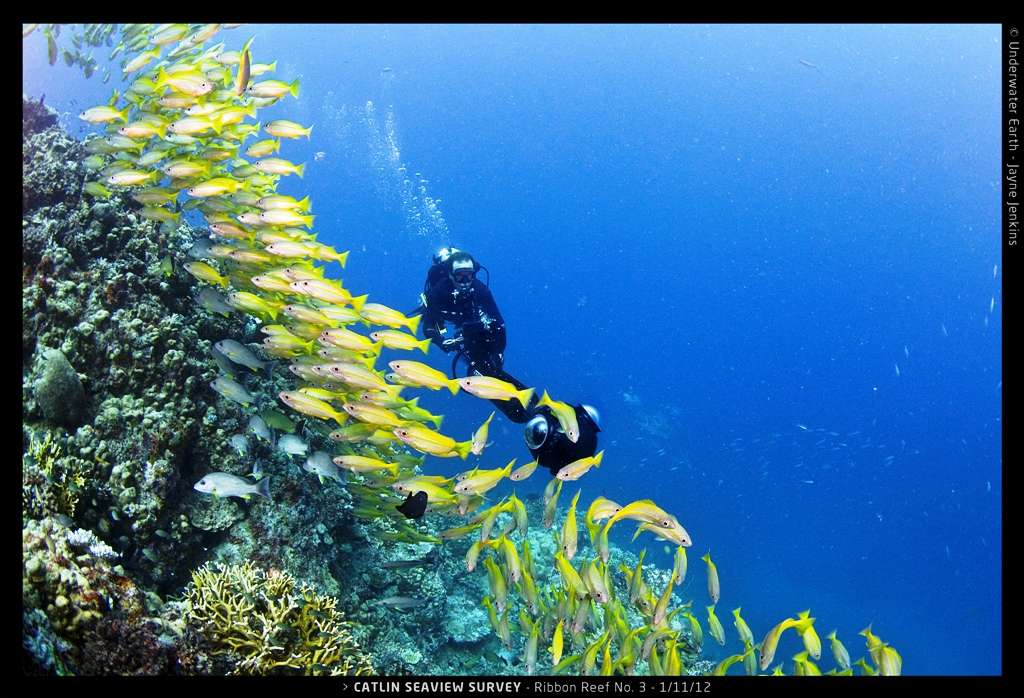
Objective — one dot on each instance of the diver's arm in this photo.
(494, 323)
(433, 324)
(485, 300)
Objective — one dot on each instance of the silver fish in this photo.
(232, 390)
(258, 427)
(228, 485)
(240, 444)
(401, 602)
(241, 354)
(200, 249)
(320, 464)
(223, 362)
(425, 561)
(292, 445)
(213, 301)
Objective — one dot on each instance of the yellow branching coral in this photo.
(258, 616)
(51, 482)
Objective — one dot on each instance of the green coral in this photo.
(270, 627)
(51, 482)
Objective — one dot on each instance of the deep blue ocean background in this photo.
(768, 255)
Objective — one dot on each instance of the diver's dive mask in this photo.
(463, 273)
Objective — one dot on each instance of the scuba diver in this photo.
(453, 294)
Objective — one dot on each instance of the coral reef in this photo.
(94, 299)
(270, 626)
(36, 117)
(71, 584)
(118, 478)
(50, 164)
(52, 481)
(82, 614)
(58, 391)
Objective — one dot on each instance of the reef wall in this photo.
(119, 421)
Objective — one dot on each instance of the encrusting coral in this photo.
(271, 627)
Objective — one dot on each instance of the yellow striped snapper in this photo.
(564, 413)
(328, 291)
(311, 406)
(579, 468)
(378, 314)
(570, 537)
(490, 388)
(282, 128)
(422, 375)
(395, 339)
(480, 439)
(427, 441)
(483, 480)
(713, 589)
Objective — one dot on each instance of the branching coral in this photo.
(271, 628)
(51, 482)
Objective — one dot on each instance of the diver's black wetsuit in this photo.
(480, 339)
(481, 328)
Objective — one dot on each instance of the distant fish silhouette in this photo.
(414, 505)
(430, 558)
(809, 65)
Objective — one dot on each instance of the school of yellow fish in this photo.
(180, 131)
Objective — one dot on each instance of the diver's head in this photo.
(536, 432)
(462, 270)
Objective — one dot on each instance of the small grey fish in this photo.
(425, 561)
(228, 485)
(201, 249)
(240, 444)
(223, 362)
(213, 301)
(232, 390)
(241, 354)
(258, 427)
(402, 602)
(292, 445)
(320, 463)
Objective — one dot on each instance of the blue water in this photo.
(779, 282)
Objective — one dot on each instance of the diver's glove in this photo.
(453, 344)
